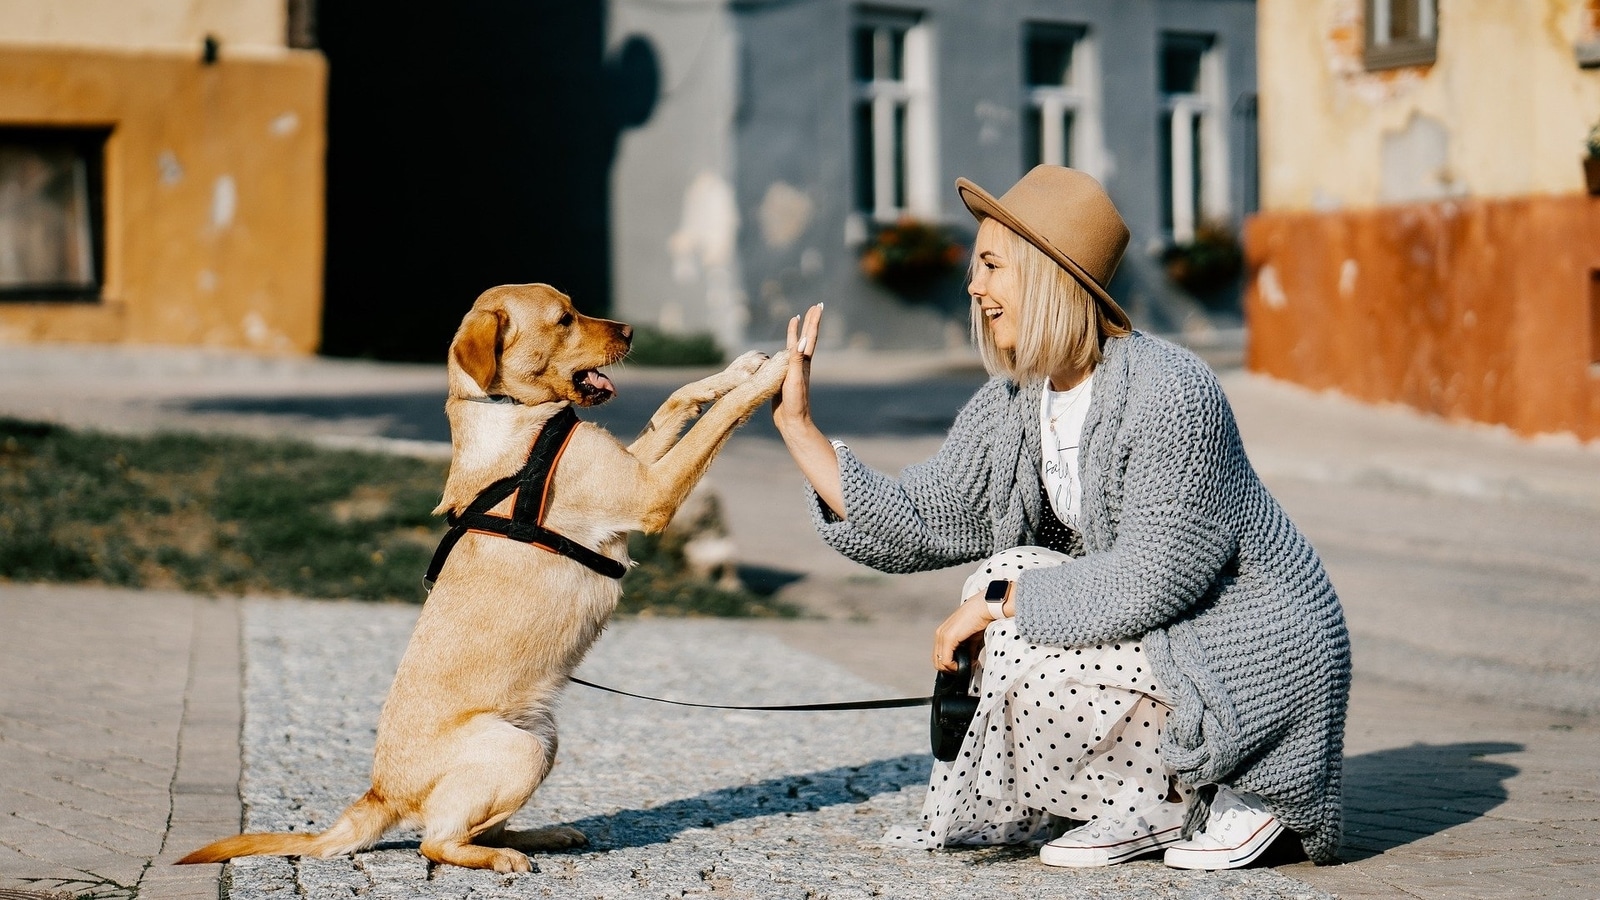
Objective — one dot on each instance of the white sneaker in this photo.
(1237, 831)
(1108, 841)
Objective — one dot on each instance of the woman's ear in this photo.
(476, 348)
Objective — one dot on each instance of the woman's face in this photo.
(994, 286)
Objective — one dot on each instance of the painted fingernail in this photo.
(801, 347)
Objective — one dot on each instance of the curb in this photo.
(205, 787)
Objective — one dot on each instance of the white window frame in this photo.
(1080, 95)
(913, 93)
(1206, 105)
(1383, 52)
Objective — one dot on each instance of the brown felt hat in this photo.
(1067, 214)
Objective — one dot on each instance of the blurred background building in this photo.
(325, 175)
(791, 138)
(1427, 235)
(696, 165)
(161, 174)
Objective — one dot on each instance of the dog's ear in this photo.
(476, 348)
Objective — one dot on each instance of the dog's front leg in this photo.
(675, 474)
(686, 403)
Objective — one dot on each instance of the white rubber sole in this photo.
(1226, 857)
(1096, 856)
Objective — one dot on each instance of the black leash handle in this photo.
(896, 703)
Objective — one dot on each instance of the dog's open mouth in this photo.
(594, 386)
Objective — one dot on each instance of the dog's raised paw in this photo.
(748, 364)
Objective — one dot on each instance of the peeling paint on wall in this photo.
(1270, 289)
(785, 215)
(224, 202)
(171, 170)
(707, 230)
(284, 125)
(703, 249)
(1416, 162)
(1348, 272)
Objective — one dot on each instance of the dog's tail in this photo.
(358, 828)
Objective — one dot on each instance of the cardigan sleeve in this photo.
(935, 514)
(1174, 537)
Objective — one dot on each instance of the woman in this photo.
(1163, 657)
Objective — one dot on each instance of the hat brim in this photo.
(983, 205)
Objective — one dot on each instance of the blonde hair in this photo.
(1059, 323)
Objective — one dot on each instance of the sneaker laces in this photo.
(1228, 808)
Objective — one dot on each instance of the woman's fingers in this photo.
(970, 618)
(808, 331)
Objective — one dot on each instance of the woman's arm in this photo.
(791, 412)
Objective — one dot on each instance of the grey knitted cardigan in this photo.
(1183, 548)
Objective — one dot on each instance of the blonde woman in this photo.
(1165, 665)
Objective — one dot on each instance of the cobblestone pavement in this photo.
(676, 802)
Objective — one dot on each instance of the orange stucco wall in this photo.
(1478, 310)
(214, 194)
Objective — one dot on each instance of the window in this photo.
(1061, 115)
(1191, 134)
(51, 245)
(894, 142)
(1401, 32)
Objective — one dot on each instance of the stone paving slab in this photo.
(116, 707)
(676, 802)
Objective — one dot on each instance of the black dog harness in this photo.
(530, 485)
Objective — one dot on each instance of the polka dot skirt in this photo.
(1069, 732)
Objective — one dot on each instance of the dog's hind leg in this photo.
(537, 840)
(495, 771)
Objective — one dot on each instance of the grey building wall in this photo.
(675, 224)
(779, 130)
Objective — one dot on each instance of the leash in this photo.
(896, 703)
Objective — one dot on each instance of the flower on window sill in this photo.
(1207, 264)
(1593, 141)
(909, 256)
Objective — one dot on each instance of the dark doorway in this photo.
(469, 145)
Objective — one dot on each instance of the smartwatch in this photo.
(995, 596)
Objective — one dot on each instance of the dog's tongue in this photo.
(599, 381)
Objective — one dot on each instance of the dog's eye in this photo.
(565, 320)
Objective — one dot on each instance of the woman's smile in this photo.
(993, 285)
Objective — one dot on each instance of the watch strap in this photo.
(995, 597)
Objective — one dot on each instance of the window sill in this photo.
(52, 296)
(1587, 54)
(1396, 56)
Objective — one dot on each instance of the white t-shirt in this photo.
(1061, 415)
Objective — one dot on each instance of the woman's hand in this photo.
(791, 408)
(967, 622)
(791, 412)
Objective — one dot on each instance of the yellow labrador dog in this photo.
(468, 732)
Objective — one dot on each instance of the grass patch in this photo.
(654, 347)
(226, 515)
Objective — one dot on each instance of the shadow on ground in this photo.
(1394, 797)
(926, 407)
(788, 794)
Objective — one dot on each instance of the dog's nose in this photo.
(627, 333)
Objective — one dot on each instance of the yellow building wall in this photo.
(213, 191)
(1426, 236)
(1511, 102)
(253, 26)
